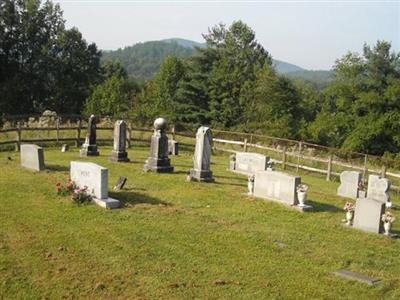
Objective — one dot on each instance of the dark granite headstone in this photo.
(89, 148)
(158, 160)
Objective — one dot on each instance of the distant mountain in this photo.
(185, 43)
(284, 67)
(142, 60)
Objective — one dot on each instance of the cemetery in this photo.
(199, 222)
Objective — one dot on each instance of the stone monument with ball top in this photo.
(158, 160)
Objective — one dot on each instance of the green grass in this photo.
(180, 240)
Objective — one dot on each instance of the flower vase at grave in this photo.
(349, 217)
(302, 197)
(387, 226)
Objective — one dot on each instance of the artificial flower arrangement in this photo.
(349, 209)
(78, 195)
(388, 219)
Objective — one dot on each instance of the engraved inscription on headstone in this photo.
(95, 178)
(276, 186)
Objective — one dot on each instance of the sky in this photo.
(310, 34)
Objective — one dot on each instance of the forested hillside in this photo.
(232, 83)
(143, 60)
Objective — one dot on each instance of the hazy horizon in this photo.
(311, 35)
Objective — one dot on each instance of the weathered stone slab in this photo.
(349, 184)
(276, 186)
(32, 157)
(378, 188)
(64, 148)
(368, 214)
(202, 156)
(358, 277)
(249, 163)
(173, 147)
(95, 177)
(119, 153)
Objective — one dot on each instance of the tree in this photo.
(43, 64)
(113, 97)
(363, 99)
(236, 58)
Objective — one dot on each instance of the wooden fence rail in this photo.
(300, 158)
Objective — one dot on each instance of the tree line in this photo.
(230, 84)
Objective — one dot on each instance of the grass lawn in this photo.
(180, 240)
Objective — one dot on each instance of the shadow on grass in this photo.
(229, 183)
(321, 207)
(133, 198)
(57, 168)
(233, 178)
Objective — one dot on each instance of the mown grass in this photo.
(178, 240)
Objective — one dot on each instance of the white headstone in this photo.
(368, 215)
(32, 157)
(276, 186)
(95, 178)
(249, 163)
(202, 155)
(349, 184)
(378, 188)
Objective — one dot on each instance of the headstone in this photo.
(120, 183)
(158, 160)
(119, 149)
(173, 147)
(276, 186)
(32, 157)
(349, 183)
(378, 188)
(368, 214)
(202, 156)
(64, 148)
(249, 163)
(89, 148)
(95, 177)
(358, 277)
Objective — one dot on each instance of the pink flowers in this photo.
(349, 207)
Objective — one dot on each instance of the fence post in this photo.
(251, 139)
(18, 138)
(383, 173)
(329, 170)
(129, 134)
(284, 158)
(58, 129)
(298, 156)
(78, 133)
(245, 145)
(365, 168)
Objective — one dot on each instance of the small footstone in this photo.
(357, 277)
(120, 183)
